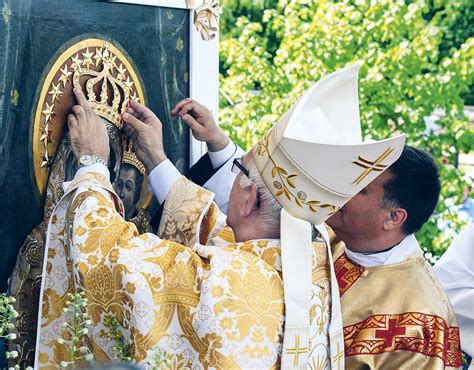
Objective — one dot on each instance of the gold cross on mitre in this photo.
(297, 351)
(371, 165)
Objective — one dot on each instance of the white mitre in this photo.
(314, 161)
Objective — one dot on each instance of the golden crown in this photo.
(111, 81)
(130, 157)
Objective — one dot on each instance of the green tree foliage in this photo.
(412, 63)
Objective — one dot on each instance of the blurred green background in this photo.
(416, 77)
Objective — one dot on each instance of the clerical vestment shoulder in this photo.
(396, 316)
(206, 306)
(245, 283)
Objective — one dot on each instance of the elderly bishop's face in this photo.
(237, 196)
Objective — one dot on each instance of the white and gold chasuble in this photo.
(207, 301)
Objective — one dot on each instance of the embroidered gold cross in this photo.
(297, 350)
(337, 357)
(371, 165)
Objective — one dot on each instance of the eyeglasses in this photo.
(237, 167)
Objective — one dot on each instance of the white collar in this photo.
(397, 254)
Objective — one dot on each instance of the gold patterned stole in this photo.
(189, 215)
(58, 273)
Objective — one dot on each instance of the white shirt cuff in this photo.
(222, 156)
(161, 178)
(96, 167)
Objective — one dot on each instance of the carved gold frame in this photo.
(43, 150)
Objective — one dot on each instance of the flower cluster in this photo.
(121, 347)
(7, 314)
(158, 359)
(76, 330)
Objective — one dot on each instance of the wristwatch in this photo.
(87, 160)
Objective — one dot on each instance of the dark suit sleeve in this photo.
(202, 171)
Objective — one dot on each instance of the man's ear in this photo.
(395, 219)
(250, 201)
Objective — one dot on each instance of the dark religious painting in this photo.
(113, 52)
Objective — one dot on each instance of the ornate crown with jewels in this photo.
(130, 157)
(111, 82)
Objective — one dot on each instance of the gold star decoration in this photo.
(76, 62)
(64, 75)
(88, 58)
(112, 59)
(55, 92)
(135, 97)
(98, 56)
(128, 83)
(48, 112)
(45, 160)
(121, 72)
(46, 136)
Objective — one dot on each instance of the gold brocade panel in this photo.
(87, 44)
(218, 305)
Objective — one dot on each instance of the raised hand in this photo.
(146, 132)
(88, 134)
(202, 124)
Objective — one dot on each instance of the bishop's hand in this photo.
(202, 124)
(146, 132)
(88, 134)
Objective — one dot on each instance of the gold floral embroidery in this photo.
(226, 323)
(130, 287)
(284, 184)
(217, 291)
(182, 210)
(114, 255)
(103, 288)
(80, 231)
(214, 299)
(210, 357)
(227, 235)
(181, 282)
(92, 259)
(254, 298)
(51, 253)
(52, 304)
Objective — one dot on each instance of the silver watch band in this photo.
(87, 160)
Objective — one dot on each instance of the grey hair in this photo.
(269, 207)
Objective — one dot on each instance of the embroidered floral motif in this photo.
(285, 182)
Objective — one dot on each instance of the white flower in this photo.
(12, 354)
(88, 357)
